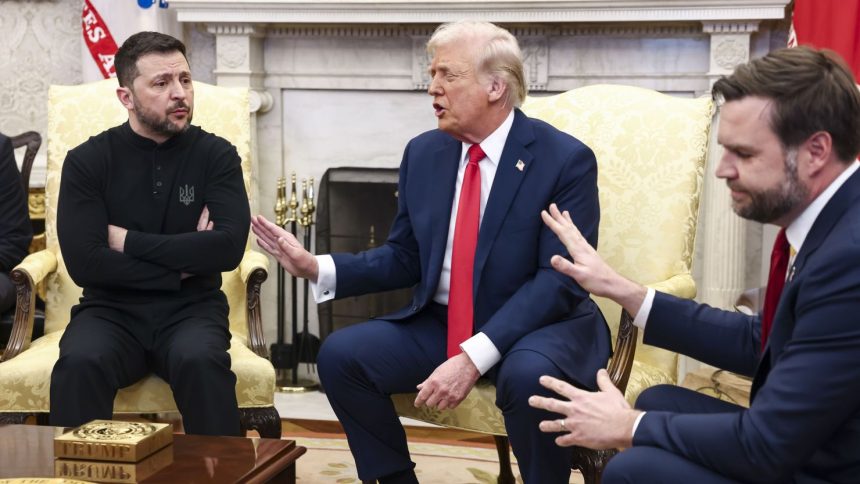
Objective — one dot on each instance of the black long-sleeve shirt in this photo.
(157, 192)
(15, 229)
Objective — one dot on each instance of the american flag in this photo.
(105, 24)
(830, 24)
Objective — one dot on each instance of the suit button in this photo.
(414, 308)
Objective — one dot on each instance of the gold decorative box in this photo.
(113, 441)
(114, 471)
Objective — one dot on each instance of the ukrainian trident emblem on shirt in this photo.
(186, 195)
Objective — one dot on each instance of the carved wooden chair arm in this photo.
(681, 285)
(254, 270)
(624, 352)
(33, 141)
(32, 270)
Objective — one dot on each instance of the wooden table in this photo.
(28, 451)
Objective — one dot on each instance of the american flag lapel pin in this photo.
(520, 165)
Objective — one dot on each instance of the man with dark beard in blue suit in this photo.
(790, 126)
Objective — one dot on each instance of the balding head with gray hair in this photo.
(498, 54)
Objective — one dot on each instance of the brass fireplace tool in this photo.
(280, 350)
(286, 357)
(307, 345)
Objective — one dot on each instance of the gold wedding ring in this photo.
(561, 424)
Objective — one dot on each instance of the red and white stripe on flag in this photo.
(829, 24)
(98, 39)
(106, 24)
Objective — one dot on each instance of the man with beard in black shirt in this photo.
(149, 214)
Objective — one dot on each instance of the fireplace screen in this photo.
(355, 209)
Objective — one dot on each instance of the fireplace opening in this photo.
(355, 209)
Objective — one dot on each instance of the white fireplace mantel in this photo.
(503, 11)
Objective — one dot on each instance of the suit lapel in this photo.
(506, 184)
(829, 216)
(440, 188)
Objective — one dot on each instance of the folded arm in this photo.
(204, 251)
(82, 230)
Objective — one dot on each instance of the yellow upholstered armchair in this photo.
(75, 114)
(651, 151)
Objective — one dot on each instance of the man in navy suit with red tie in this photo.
(468, 237)
(790, 126)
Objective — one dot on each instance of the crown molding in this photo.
(500, 11)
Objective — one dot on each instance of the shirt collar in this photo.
(494, 143)
(797, 231)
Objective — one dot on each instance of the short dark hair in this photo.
(812, 90)
(138, 45)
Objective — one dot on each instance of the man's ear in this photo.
(124, 95)
(496, 89)
(819, 147)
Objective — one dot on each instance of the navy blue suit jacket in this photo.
(803, 423)
(521, 302)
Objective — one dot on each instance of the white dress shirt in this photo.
(796, 233)
(479, 348)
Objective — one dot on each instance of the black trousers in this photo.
(110, 345)
(7, 293)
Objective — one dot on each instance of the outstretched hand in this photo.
(284, 247)
(587, 267)
(597, 420)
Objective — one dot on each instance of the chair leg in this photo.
(503, 446)
(264, 420)
(591, 463)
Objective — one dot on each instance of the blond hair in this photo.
(499, 57)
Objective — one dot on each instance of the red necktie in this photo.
(460, 304)
(775, 282)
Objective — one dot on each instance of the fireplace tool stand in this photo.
(286, 357)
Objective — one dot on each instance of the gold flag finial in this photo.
(292, 215)
(305, 208)
(281, 202)
(311, 207)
